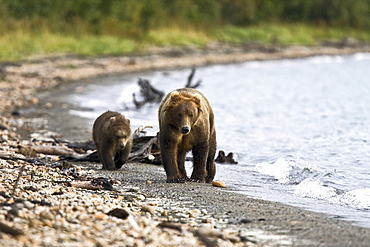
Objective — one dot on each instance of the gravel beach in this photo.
(48, 202)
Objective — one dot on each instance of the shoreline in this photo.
(238, 220)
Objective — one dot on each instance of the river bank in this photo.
(194, 213)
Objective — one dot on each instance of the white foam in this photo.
(279, 169)
(125, 95)
(358, 198)
(314, 188)
(360, 56)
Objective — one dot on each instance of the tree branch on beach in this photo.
(145, 153)
(152, 95)
(145, 149)
(190, 80)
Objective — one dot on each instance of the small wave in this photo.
(360, 56)
(310, 183)
(125, 94)
(279, 169)
(286, 171)
(314, 188)
(359, 198)
(325, 59)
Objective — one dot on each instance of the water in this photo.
(300, 128)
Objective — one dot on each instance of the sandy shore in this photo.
(200, 214)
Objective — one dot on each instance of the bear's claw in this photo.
(177, 180)
(194, 180)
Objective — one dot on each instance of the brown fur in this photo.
(186, 123)
(113, 139)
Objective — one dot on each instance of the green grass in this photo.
(287, 34)
(17, 45)
(177, 37)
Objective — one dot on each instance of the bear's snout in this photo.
(122, 146)
(185, 130)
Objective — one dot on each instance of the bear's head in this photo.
(120, 131)
(183, 111)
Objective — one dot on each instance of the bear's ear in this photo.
(175, 95)
(196, 98)
(112, 119)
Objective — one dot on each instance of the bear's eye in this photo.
(179, 114)
(191, 115)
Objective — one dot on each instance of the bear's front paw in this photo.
(111, 168)
(196, 180)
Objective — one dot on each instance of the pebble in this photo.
(100, 216)
(35, 223)
(46, 215)
(119, 213)
(140, 197)
(148, 208)
(28, 204)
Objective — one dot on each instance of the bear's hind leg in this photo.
(211, 166)
(211, 170)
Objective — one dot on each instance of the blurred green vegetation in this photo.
(100, 27)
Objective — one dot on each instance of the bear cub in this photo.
(186, 123)
(113, 139)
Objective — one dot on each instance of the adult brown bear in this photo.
(186, 122)
(113, 140)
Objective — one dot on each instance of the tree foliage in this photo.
(135, 18)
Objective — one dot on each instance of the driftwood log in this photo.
(53, 150)
(145, 149)
(11, 156)
(10, 230)
(148, 93)
(152, 95)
